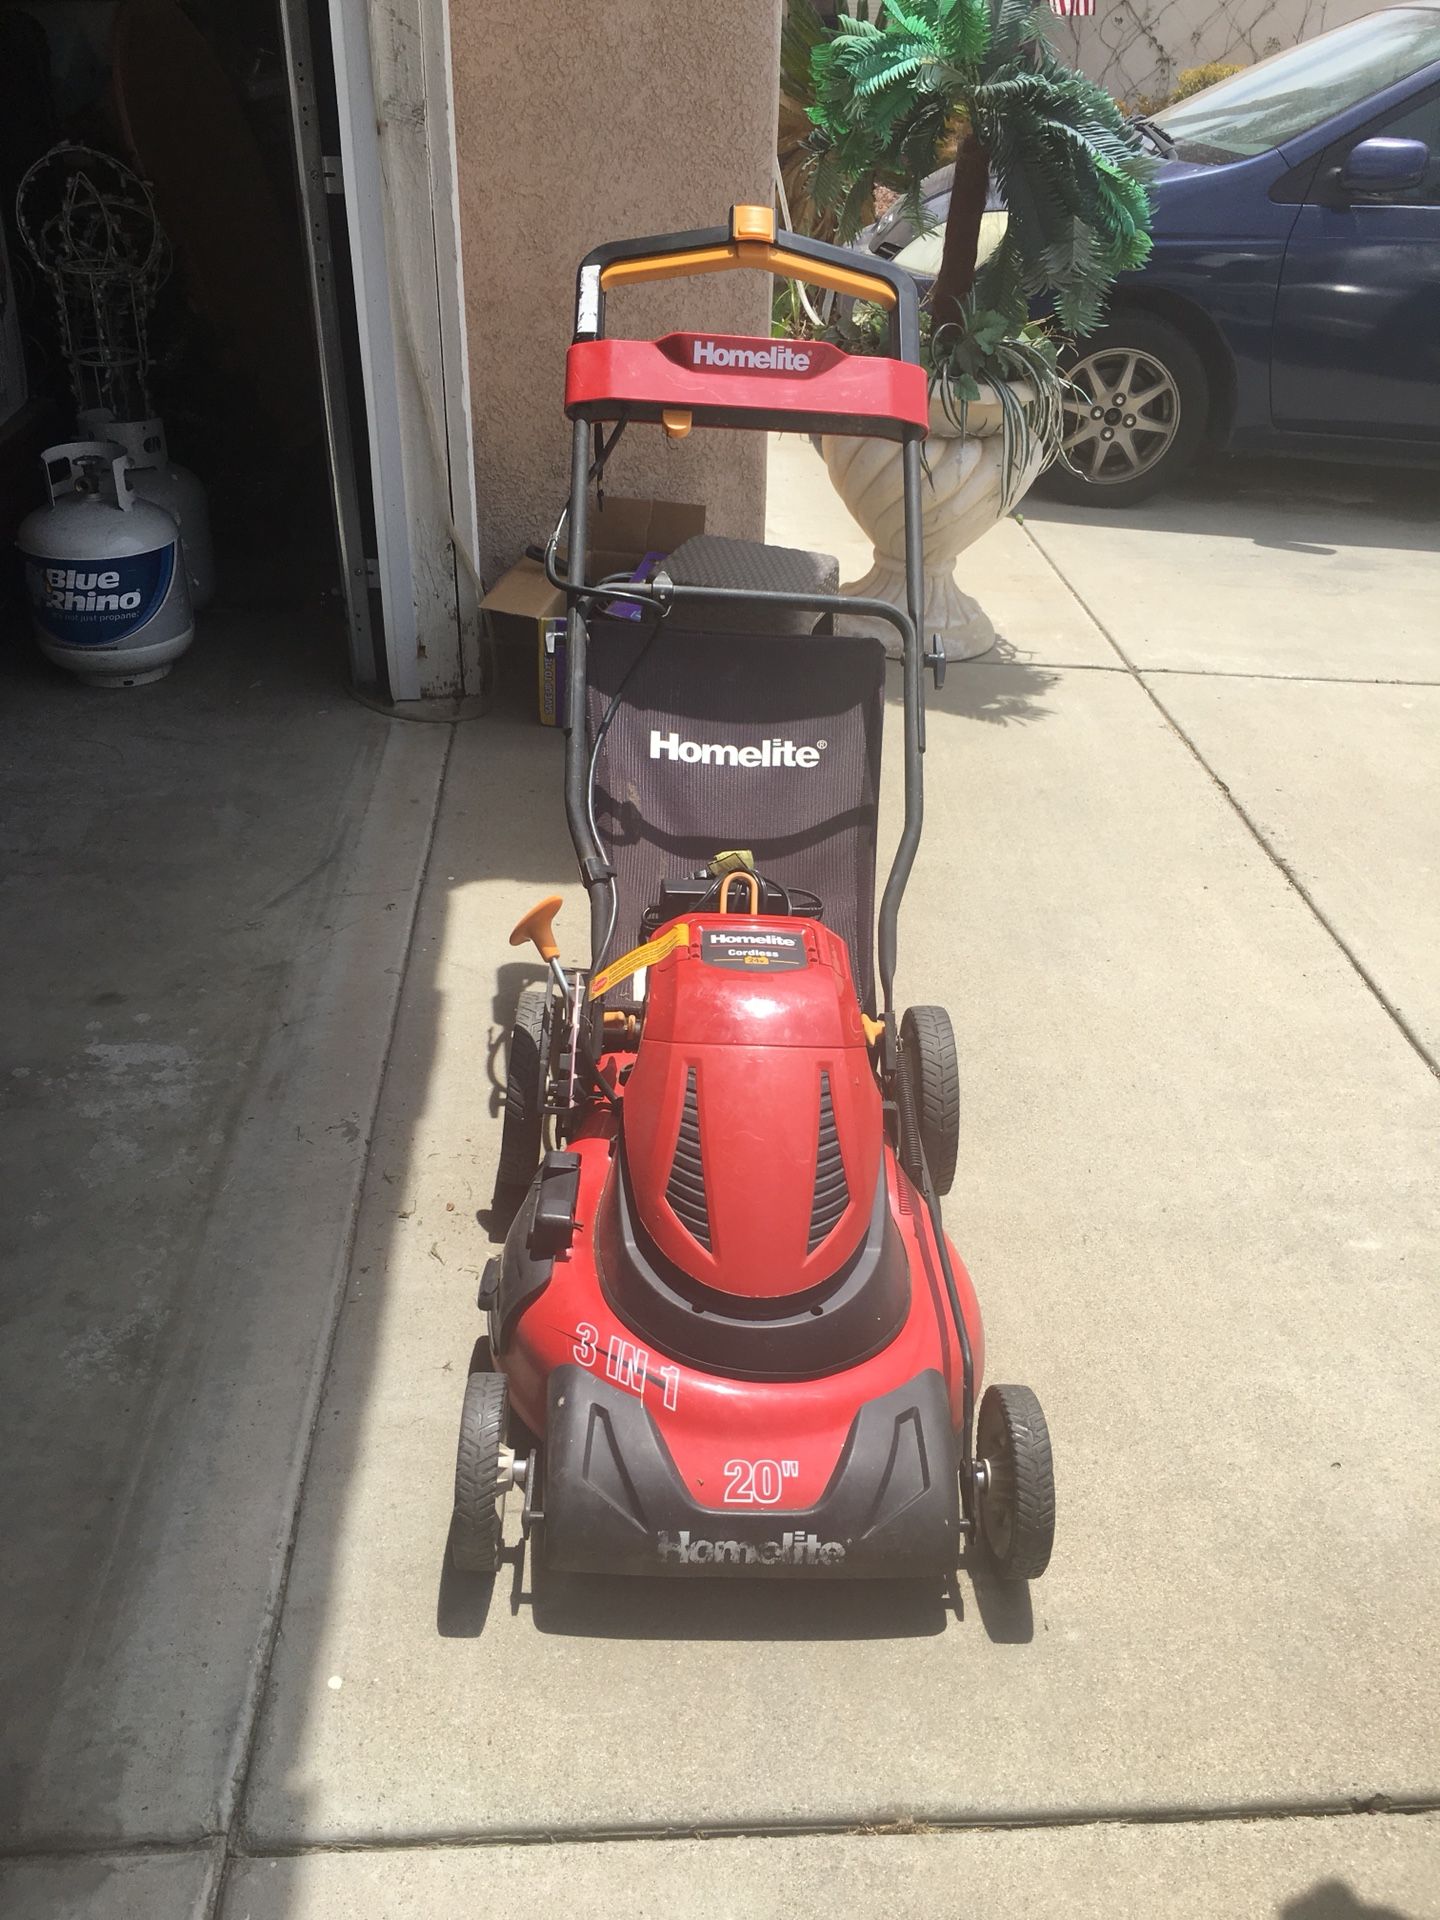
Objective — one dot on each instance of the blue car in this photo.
(1292, 301)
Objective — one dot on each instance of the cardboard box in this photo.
(522, 609)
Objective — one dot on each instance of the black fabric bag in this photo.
(726, 740)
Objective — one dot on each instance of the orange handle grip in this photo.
(748, 253)
(751, 244)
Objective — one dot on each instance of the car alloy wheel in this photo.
(1122, 413)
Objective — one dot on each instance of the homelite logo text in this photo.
(719, 939)
(780, 357)
(711, 753)
(790, 1550)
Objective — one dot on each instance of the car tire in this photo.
(1148, 446)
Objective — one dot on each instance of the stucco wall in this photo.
(579, 121)
(1137, 47)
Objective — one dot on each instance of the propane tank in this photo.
(107, 588)
(165, 483)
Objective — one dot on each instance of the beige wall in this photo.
(579, 121)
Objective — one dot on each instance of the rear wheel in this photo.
(929, 1096)
(475, 1524)
(525, 1084)
(1016, 1482)
(1135, 414)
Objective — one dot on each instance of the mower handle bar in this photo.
(751, 240)
(662, 593)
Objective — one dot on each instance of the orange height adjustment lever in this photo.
(539, 925)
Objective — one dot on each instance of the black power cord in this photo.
(658, 616)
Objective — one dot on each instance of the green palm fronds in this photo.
(892, 83)
(889, 89)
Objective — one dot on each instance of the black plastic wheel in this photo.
(929, 1095)
(1017, 1495)
(1135, 415)
(522, 1136)
(475, 1523)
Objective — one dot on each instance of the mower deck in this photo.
(615, 1502)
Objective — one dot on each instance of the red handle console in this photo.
(735, 380)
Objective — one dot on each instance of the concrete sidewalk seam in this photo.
(884, 1824)
(1296, 679)
(116, 1850)
(997, 662)
(1277, 860)
(180, 1882)
(233, 1811)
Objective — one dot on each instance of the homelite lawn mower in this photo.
(727, 1334)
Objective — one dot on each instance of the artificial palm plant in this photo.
(892, 91)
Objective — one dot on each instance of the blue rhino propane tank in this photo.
(107, 586)
(164, 483)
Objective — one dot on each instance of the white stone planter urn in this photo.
(961, 498)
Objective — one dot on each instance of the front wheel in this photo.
(475, 1524)
(1135, 413)
(1015, 1482)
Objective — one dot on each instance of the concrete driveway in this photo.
(1178, 892)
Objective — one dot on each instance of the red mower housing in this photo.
(734, 1293)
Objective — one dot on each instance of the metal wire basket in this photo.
(91, 228)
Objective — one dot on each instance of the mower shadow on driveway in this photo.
(619, 1607)
(1004, 1606)
(463, 1600)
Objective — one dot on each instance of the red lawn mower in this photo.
(727, 1334)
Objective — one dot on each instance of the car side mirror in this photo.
(1383, 166)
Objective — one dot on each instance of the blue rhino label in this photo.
(98, 603)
